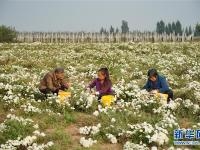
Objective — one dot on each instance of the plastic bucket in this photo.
(107, 100)
(162, 97)
(62, 95)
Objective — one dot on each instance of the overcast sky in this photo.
(91, 15)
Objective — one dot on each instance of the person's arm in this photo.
(164, 86)
(64, 84)
(147, 86)
(105, 88)
(50, 84)
(92, 84)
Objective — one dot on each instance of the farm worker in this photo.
(158, 83)
(53, 81)
(103, 83)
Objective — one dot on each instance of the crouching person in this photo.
(103, 84)
(53, 82)
(158, 83)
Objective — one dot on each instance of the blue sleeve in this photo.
(147, 86)
(164, 85)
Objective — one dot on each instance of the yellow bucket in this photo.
(162, 97)
(107, 100)
(62, 95)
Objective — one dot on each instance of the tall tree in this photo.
(112, 30)
(186, 31)
(167, 29)
(197, 30)
(190, 30)
(160, 28)
(102, 30)
(117, 30)
(173, 27)
(124, 26)
(178, 28)
(170, 28)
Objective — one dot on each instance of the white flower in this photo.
(90, 129)
(29, 108)
(50, 143)
(113, 120)
(132, 146)
(94, 130)
(112, 138)
(171, 148)
(36, 126)
(173, 105)
(159, 137)
(2, 127)
(195, 108)
(38, 133)
(87, 142)
(84, 130)
(12, 110)
(154, 148)
(96, 113)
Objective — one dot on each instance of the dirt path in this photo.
(83, 119)
(2, 117)
(73, 130)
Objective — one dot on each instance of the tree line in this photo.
(174, 27)
(124, 28)
(161, 27)
(9, 34)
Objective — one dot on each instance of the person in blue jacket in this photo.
(158, 83)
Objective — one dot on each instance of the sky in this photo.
(91, 15)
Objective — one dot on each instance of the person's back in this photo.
(48, 81)
(160, 84)
(157, 83)
(53, 81)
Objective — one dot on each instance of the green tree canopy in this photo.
(7, 34)
(197, 30)
(124, 27)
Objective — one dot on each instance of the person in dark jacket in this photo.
(103, 83)
(53, 81)
(158, 83)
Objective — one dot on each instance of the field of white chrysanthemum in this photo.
(136, 121)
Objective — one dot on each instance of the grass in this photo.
(14, 130)
(62, 129)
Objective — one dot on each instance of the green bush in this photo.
(15, 129)
(7, 34)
